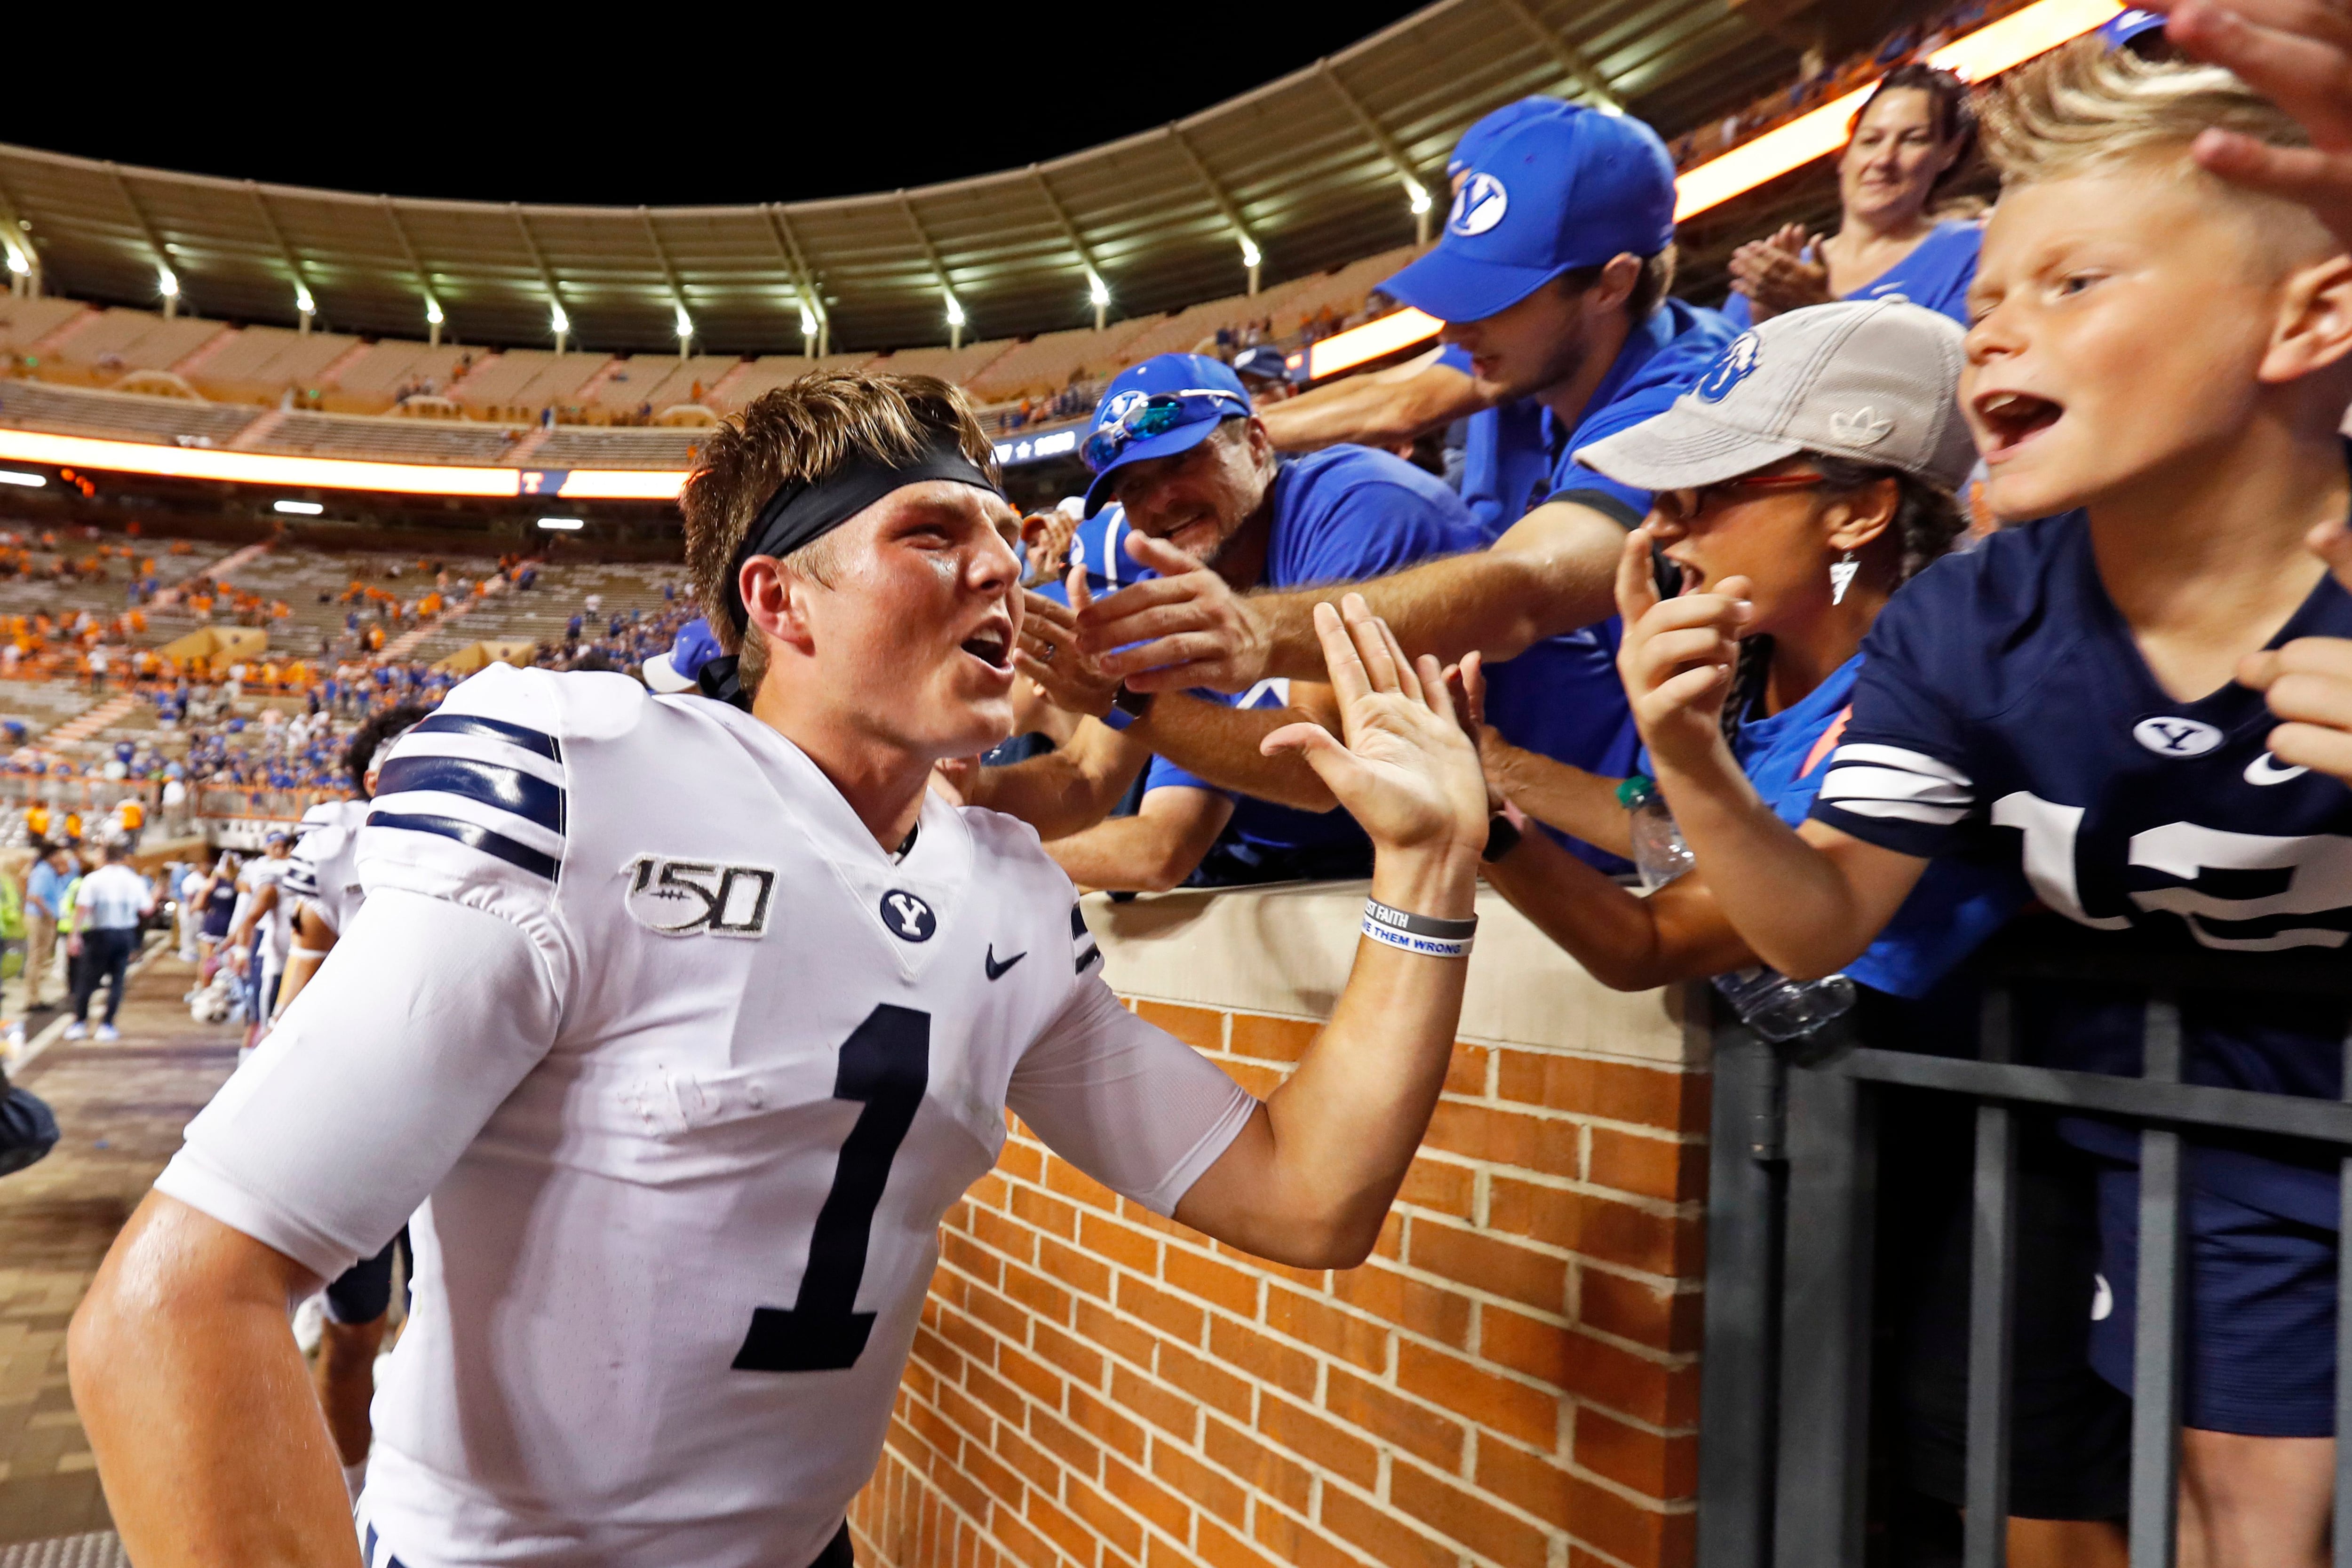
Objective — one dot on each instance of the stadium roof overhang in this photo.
(1310, 172)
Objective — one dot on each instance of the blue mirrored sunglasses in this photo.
(1156, 415)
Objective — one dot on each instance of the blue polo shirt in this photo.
(1937, 275)
(45, 886)
(1660, 360)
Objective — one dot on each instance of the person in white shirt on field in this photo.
(679, 1023)
(111, 904)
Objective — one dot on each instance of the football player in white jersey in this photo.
(323, 876)
(678, 1027)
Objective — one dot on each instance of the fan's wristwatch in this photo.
(1127, 705)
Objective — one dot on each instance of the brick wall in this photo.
(1510, 1379)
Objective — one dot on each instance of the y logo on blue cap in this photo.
(1735, 365)
(1478, 205)
(1120, 405)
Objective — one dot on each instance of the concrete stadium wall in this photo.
(1512, 1380)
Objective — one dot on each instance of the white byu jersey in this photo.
(684, 1071)
(324, 869)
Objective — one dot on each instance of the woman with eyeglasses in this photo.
(1818, 462)
(1896, 239)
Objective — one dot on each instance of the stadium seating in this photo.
(261, 363)
(656, 381)
(25, 323)
(101, 346)
(121, 416)
(368, 381)
(389, 440)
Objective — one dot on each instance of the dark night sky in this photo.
(540, 105)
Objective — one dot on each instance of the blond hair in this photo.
(803, 433)
(2085, 108)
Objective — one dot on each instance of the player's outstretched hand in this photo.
(2299, 53)
(1189, 627)
(2309, 680)
(1677, 657)
(1049, 653)
(1402, 765)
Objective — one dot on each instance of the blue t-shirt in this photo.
(1341, 515)
(1937, 275)
(1956, 905)
(2004, 712)
(1506, 464)
(1662, 358)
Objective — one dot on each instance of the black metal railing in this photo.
(1784, 1434)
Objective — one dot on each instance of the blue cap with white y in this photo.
(1165, 405)
(2125, 25)
(1555, 192)
(1487, 131)
(675, 669)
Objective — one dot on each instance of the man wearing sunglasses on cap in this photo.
(662, 1018)
(1178, 448)
(1552, 276)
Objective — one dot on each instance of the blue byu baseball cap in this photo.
(2125, 25)
(675, 669)
(1167, 404)
(1556, 190)
(1483, 133)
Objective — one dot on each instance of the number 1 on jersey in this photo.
(885, 1064)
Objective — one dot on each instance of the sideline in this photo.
(157, 941)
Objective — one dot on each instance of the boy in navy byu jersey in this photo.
(677, 1024)
(2157, 369)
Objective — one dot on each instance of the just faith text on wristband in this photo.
(1425, 934)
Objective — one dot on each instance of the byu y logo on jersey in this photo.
(688, 898)
(2171, 737)
(908, 917)
(1478, 206)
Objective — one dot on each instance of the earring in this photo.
(1842, 572)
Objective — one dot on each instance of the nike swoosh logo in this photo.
(995, 970)
(2264, 770)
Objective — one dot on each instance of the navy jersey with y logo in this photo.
(2004, 712)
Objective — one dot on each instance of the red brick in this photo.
(1265, 1359)
(1197, 1026)
(1272, 1039)
(1380, 1412)
(1653, 1465)
(1168, 1510)
(1123, 1245)
(1171, 1412)
(1439, 1185)
(1008, 1237)
(1489, 1263)
(935, 1352)
(1066, 1179)
(1107, 1422)
(1652, 1167)
(994, 1477)
(968, 1415)
(1032, 1376)
(1039, 1294)
(1465, 1071)
(1614, 1091)
(1205, 1486)
(1068, 1351)
(1659, 1393)
(934, 1429)
(1209, 1383)
(1221, 1549)
(970, 1253)
(998, 1395)
(999, 1313)
(1230, 1287)
(1328, 1328)
(1411, 1304)
(1390, 1244)
(1552, 1145)
(1380, 1532)
(1056, 1525)
(1639, 1310)
(990, 1192)
(1260, 1467)
(1595, 1515)
(1462, 1515)
(1023, 1159)
(1301, 1545)
(1065, 1443)
(1259, 1078)
(1322, 1443)
(1106, 1520)
(959, 1488)
(1115, 1335)
(1597, 1227)
(1178, 1318)
(1035, 1466)
(1021, 1541)
(1045, 1212)
(1498, 1404)
(1068, 1265)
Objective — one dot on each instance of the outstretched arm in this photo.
(1376, 410)
(1549, 573)
(1626, 942)
(1806, 901)
(1150, 852)
(1310, 1178)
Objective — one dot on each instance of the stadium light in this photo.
(685, 328)
(1250, 257)
(303, 302)
(955, 313)
(562, 524)
(1417, 198)
(299, 508)
(432, 312)
(808, 322)
(1097, 294)
(16, 262)
(558, 319)
(166, 283)
(23, 480)
(1983, 54)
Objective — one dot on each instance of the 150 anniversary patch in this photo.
(688, 898)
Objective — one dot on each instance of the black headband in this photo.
(803, 511)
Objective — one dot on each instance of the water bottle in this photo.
(1768, 1002)
(1659, 853)
(1781, 1009)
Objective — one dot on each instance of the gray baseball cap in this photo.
(1876, 381)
